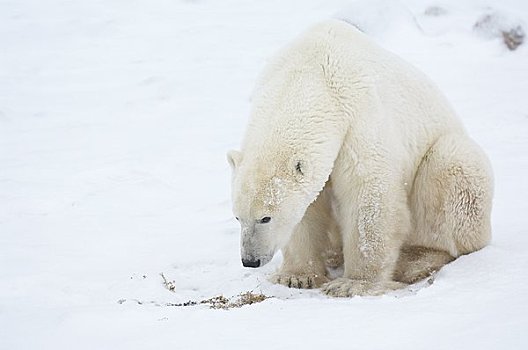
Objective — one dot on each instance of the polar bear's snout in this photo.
(254, 256)
(256, 247)
(250, 262)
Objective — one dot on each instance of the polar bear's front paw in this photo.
(305, 281)
(346, 287)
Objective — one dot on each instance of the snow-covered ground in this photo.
(115, 117)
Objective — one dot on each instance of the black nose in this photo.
(251, 263)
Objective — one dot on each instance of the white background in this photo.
(115, 117)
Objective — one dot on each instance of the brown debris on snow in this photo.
(514, 37)
(494, 25)
(224, 303)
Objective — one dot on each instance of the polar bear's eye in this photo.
(236, 217)
(265, 220)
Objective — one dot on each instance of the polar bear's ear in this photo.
(300, 169)
(234, 158)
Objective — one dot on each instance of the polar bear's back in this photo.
(413, 110)
(396, 81)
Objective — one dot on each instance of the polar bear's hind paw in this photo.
(345, 287)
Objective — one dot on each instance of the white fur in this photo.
(355, 155)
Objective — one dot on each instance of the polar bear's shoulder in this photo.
(311, 49)
(330, 38)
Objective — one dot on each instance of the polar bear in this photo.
(353, 157)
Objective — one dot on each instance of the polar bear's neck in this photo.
(294, 120)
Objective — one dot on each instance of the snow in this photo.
(115, 117)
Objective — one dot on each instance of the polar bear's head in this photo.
(270, 197)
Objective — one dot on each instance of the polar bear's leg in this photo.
(450, 204)
(416, 263)
(310, 248)
(374, 217)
